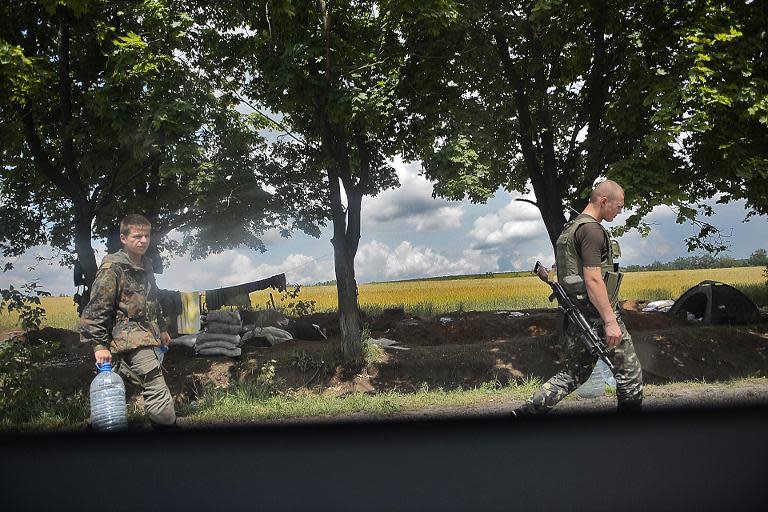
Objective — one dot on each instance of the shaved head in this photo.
(607, 188)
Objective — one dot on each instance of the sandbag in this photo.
(265, 318)
(273, 335)
(225, 317)
(213, 344)
(222, 328)
(188, 340)
(229, 352)
(232, 339)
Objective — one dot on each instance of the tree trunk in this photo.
(550, 206)
(345, 239)
(83, 247)
(543, 178)
(346, 224)
(349, 310)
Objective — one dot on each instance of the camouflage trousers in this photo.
(578, 367)
(141, 368)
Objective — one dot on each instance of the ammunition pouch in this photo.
(613, 284)
(575, 288)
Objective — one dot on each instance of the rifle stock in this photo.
(587, 333)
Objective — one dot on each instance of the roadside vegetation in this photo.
(245, 402)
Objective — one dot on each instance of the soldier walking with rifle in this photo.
(587, 288)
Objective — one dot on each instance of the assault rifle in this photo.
(587, 333)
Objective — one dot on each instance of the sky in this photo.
(406, 233)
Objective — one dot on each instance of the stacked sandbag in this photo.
(188, 340)
(273, 335)
(221, 335)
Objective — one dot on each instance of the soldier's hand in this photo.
(103, 356)
(612, 333)
(165, 338)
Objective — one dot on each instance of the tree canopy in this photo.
(103, 113)
(554, 95)
(113, 107)
(331, 72)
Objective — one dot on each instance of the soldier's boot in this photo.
(526, 409)
(158, 427)
(626, 407)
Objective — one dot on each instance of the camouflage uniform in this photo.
(124, 316)
(579, 362)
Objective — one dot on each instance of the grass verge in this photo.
(245, 402)
(242, 403)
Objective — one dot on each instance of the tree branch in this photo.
(544, 115)
(65, 102)
(521, 102)
(524, 200)
(40, 156)
(108, 195)
(278, 124)
(597, 92)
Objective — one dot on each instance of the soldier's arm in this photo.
(99, 315)
(598, 296)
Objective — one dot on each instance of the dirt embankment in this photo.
(462, 349)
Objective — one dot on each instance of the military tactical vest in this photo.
(570, 270)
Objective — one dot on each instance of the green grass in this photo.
(46, 413)
(677, 387)
(244, 402)
(247, 402)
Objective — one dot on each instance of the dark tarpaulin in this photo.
(238, 295)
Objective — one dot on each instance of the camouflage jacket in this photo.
(124, 312)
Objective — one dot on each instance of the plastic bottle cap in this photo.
(105, 367)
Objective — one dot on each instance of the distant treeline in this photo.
(758, 258)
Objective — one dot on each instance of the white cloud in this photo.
(371, 260)
(48, 274)
(661, 212)
(298, 268)
(234, 267)
(271, 237)
(525, 261)
(518, 221)
(412, 203)
(376, 261)
(638, 250)
(447, 217)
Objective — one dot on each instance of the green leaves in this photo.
(460, 171)
(25, 303)
(20, 76)
(149, 129)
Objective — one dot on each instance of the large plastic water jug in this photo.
(108, 409)
(608, 377)
(595, 385)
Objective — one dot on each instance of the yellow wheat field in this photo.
(480, 294)
(485, 294)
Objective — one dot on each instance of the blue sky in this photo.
(406, 233)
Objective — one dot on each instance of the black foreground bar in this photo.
(703, 460)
